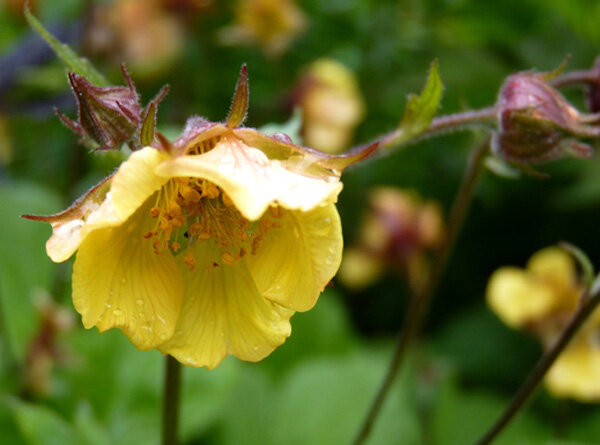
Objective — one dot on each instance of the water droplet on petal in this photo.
(117, 312)
(139, 302)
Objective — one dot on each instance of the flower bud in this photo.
(593, 91)
(537, 124)
(331, 104)
(110, 116)
(398, 232)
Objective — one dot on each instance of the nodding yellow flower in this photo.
(206, 246)
(541, 299)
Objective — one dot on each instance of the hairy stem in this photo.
(442, 124)
(171, 392)
(422, 298)
(589, 303)
(576, 77)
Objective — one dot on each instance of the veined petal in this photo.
(118, 281)
(576, 372)
(295, 261)
(517, 298)
(252, 180)
(224, 313)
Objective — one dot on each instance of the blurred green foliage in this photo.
(317, 386)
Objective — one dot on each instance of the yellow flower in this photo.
(542, 299)
(205, 247)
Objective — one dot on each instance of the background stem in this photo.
(421, 299)
(172, 389)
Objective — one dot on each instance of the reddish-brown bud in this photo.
(110, 116)
(537, 124)
(593, 91)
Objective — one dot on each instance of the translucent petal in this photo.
(252, 180)
(296, 261)
(518, 298)
(135, 181)
(223, 313)
(118, 281)
(576, 372)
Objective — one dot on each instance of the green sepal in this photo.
(584, 262)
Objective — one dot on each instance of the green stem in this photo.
(422, 298)
(442, 124)
(546, 361)
(172, 389)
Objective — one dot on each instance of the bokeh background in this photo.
(61, 384)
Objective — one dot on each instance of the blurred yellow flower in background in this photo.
(271, 24)
(541, 299)
(206, 246)
(332, 105)
(396, 234)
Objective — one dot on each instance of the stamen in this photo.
(200, 211)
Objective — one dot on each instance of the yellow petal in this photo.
(576, 372)
(223, 313)
(135, 181)
(359, 269)
(518, 298)
(252, 180)
(295, 262)
(118, 281)
(555, 266)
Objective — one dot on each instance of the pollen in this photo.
(193, 213)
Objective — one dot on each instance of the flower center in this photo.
(193, 210)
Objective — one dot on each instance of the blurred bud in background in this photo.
(271, 24)
(541, 299)
(537, 124)
(143, 34)
(331, 103)
(397, 233)
(45, 350)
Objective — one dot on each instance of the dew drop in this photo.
(117, 312)
(139, 302)
(255, 348)
(123, 280)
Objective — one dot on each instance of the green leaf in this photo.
(324, 401)
(24, 265)
(41, 426)
(461, 417)
(420, 109)
(77, 64)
